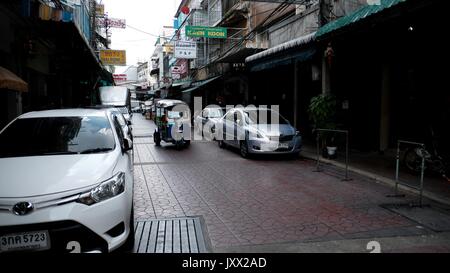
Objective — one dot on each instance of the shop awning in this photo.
(197, 85)
(285, 59)
(300, 41)
(11, 81)
(358, 15)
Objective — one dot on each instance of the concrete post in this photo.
(385, 110)
(326, 79)
(296, 90)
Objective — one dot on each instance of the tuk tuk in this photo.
(171, 118)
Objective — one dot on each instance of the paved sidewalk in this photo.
(263, 201)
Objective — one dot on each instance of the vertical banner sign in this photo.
(113, 57)
(185, 50)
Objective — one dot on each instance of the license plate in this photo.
(283, 145)
(36, 240)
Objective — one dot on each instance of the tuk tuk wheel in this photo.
(157, 138)
(178, 145)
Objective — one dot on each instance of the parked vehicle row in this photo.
(251, 130)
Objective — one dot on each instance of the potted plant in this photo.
(322, 112)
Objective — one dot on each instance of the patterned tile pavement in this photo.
(257, 201)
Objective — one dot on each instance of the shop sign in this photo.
(185, 50)
(168, 48)
(100, 9)
(112, 22)
(206, 32)
(120, 77)
(113, 57)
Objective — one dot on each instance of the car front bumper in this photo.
(104, 226)
(263, 146)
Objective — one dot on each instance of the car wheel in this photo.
(244, 149)
(179, 145)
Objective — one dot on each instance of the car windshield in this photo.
(264, 116)
(56, 135)
(215, 112)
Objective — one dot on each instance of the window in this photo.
(214, 113)
(56, 135)
(264, 116)
(230, 116)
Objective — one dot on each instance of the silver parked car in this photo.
(258, 131)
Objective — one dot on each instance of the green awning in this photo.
(197, 85)
(356, 16)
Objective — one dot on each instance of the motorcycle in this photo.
(434, 162)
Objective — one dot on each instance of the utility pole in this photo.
(325, 9)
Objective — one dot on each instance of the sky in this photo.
(146, 15)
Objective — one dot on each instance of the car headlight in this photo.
(107, 189)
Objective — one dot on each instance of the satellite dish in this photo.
(185, 10)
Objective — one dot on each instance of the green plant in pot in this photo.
(322, 112)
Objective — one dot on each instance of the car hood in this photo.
(42, 175)
(275, 130)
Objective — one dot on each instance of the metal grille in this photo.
(178, 235)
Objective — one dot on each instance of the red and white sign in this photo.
(112, 22)
(180, 68)
(120, 77)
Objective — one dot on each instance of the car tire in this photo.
(243, 149)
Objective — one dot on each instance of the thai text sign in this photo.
(185, 50)
(207, 32)
(120, 77)
(113, 57)
(100, 9)
(168, 48)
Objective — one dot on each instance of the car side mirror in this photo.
(129, 123)
(127, 145)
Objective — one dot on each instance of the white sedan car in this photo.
(66, 182)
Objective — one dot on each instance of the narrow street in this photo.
(250, 205)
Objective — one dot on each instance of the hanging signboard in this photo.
(206, 32)
(112, 22)
(100, 9)
(168, 48)
(113, 57)
(185, 50)
(120, 77)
